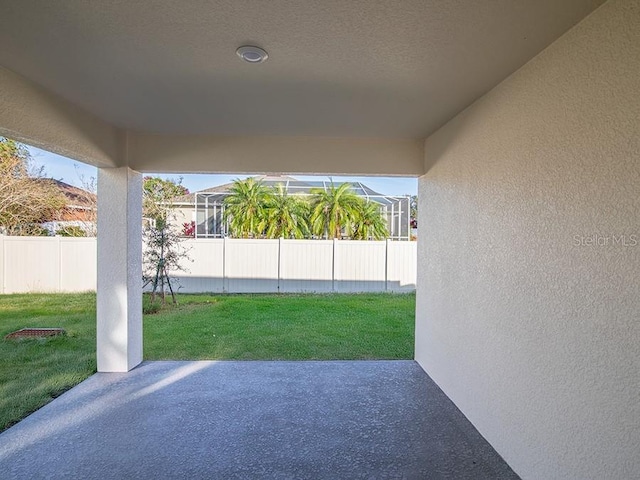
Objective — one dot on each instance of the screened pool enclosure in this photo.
(207, 206)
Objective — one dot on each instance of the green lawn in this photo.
(33, 372)
(238, 327)
(285, 327)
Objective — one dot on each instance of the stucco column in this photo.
(119, 299)
(422, 326)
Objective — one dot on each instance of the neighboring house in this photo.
(206, 207)
(80, 210)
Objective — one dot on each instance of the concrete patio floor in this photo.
(244, 420)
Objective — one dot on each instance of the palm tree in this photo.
(286, 215)
(369, 223)
(334, 211)
(245, 208)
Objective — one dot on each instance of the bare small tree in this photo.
(26, 198)
(162, 256)
(163, 249)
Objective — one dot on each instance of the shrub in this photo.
(189, 229)
(71, 231)
(149, 307)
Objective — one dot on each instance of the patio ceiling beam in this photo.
(33, 115)
(38, 117)
(264, 154)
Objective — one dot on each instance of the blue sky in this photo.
(71, 171)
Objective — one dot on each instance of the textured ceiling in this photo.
(336, 67)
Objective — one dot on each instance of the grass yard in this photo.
(33, 372)
(215, 327)
(283, 327)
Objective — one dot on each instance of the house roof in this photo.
(77, 198)
(292, 186)
(224, 188)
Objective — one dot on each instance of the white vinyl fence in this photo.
(59, 264)
(47, 264)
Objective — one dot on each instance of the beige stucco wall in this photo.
(35, 116)
(255, 154)
(528, 305)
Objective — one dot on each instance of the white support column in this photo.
(119, 298)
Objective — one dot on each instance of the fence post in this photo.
(1, 263)
(386, 265)
(333, 266)
(59, 263)
(224, 264)
(279, 260)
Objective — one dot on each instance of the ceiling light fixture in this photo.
(251, 54)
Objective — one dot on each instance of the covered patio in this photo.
(521, 121)
(243, 420)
